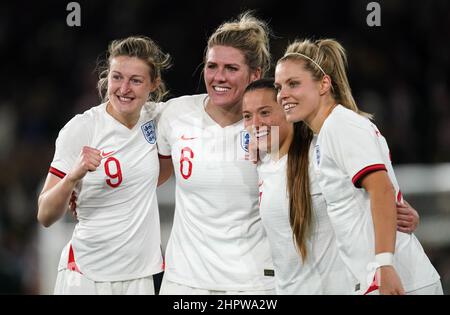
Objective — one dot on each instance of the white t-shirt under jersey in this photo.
(323, 272)
(217, 241)
(349, 146)
(117, 236)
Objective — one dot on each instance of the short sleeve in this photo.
(355, 146)
(71, 139)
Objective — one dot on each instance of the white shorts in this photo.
(433, 289)
(171, 288)
(74, 283)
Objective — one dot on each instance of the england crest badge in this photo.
(317, 149)
(245, 140)
(149, 131)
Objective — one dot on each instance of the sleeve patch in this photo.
(57, 172)
(164, 157)
(365, 171)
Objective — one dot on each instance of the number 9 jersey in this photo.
(217, 240)
(117, 237)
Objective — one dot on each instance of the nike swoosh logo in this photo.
(106, 154)
(183, 137)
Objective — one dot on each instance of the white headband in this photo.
(304, 56)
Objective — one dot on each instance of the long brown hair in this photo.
(300, 205)
(326, 56)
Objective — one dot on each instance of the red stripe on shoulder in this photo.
(56, 172)
(164, 156)
(365, 171)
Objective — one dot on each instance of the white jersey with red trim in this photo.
(117, 236)
(349, 146)
(217, 241)
(323, 271)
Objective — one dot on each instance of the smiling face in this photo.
(129, 86)
(263, 115)
(298, 93)
(226, 75)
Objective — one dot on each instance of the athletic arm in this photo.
(54, 199)
(55, 196)
(165, 170)
(384, 214)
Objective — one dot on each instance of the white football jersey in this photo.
(349, 146)
(217, 240)
(323, 271)
(117, 236)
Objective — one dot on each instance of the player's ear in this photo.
(155, 84)
(255, 75)
(325, 84)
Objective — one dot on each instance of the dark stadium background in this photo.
(398, 71)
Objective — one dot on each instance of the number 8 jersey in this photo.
(217, 240)
(117, 237)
